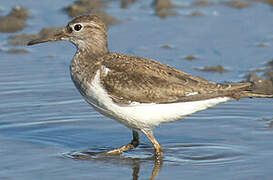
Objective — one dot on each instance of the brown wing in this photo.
(132, 78)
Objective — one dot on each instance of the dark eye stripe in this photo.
(69, 29)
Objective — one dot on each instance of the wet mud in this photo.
(190, 57)
(96, 7)
(262, 77)
(238, 4)
(218, 69)
(164, 8)
(15, 21)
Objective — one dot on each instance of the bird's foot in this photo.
(120, 150)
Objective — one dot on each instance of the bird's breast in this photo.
(81, 76)
(88, 86)
(79, 83)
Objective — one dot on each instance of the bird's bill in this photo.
(59, 34)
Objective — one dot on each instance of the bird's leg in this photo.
(134, 143)
(157, 167)
(158, 150)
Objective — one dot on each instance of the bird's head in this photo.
(86, 32)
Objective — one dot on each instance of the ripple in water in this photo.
(174, 154)
(202, 154)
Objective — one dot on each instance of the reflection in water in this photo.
(178, 154)
(136, 171)
(269, 122)
(97, 155)
(157, 166)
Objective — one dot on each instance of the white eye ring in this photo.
(77, 27)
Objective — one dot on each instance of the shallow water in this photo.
(45, 124)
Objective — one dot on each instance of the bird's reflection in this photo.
(155, 171)
(136, 168)
(141, 158)
(156, 168)
(135, 162)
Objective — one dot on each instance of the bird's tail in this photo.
(258, 89)
(256, 95)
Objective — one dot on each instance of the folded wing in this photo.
(134, 79)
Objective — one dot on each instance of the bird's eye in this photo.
(78, 27)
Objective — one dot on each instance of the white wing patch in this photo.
(192, 93)
(105, 70)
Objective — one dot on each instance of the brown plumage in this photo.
(142, 80)
(138, 79)
(101, 75)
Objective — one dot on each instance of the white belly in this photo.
(139, 115)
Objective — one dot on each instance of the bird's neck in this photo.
(92, 50)
(94, 46)
(85, 58)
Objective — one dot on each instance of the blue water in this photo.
(43, 119)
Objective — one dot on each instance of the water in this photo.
(45, 123)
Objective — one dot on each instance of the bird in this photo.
(137, 92)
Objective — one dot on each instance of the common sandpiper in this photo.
(138, 92)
